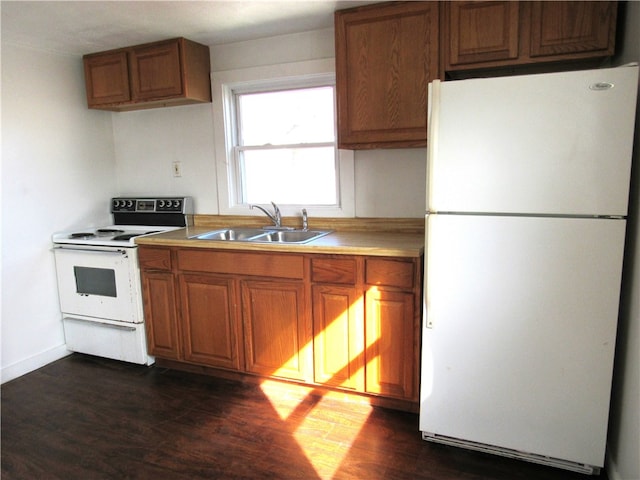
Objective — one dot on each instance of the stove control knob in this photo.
(161, 203)
(176, 204)
(129, 203)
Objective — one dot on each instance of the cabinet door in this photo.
(338, 336)
(106, 78)
(385, 58)
(277, 329)
(572, 27)
(156, 71)
(478, 32)
(391, 344)
(160, 314)
(210, 327)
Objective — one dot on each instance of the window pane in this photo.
(302, 176)
(287, 117)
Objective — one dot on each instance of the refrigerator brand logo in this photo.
(601, 86)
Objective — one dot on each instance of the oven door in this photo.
(99, 282)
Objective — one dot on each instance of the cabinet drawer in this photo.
(258, 264)
(154, 258)
(392, 273)
(334, 270)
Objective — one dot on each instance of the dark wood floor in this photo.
(88, 418)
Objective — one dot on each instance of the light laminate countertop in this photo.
(388, 244)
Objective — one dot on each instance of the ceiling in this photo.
(79, 27)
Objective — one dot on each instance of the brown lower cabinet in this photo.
(338, 344)
(159, 305)
(277, 329)
(391, 343)
(347, 322)
(209, 320)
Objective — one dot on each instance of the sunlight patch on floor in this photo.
(325, 440)
(284, 398)
(323, 434)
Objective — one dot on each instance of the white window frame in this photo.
(294, 75)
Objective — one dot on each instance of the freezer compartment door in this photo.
(556, 143)
(520, 329)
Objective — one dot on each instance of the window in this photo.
(285, 146)
(275, 140)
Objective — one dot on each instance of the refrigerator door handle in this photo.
(427, 314)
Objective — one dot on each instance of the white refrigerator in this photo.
(527, 192)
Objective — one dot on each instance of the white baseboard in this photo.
(33, 363)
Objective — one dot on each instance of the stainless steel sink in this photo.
(261, 235)
(231, 234)
(291, 236)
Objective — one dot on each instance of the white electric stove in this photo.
(99, 279)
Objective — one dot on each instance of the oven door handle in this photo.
(118, 251)
(105, 324)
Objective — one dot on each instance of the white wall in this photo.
(57, 173)
(147, 142)
(388, 183)
(623, 462)
(391, 183)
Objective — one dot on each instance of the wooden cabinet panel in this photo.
(334, 270)
(160, 314)
(391, 344)
(242, 263)
(107, 78)
(338, 342)
(385, 57)
(210, 325)
(156, 71)
(392, 273)
(560, 28)
(359, 333)
(483, 31)
(159, 74)
(489, 34)
(151, 258)
(277, 329)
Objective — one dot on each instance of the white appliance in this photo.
(528, 183)
(99, 280)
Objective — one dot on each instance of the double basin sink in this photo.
(261, 235)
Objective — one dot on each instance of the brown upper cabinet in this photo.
(159, 74)
(490, 34)
(386, 55)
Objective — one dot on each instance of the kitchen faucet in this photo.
(276, 217)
